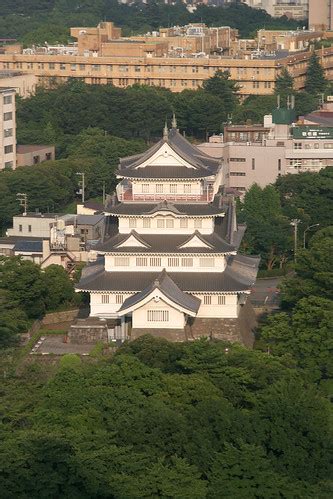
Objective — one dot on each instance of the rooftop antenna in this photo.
(165, 131)
(174, 121)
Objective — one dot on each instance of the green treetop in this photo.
(315, 81)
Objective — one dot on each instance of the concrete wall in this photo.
(33, 157)
(24, 83)
(35, 226)
(214, 310)
(127, 224)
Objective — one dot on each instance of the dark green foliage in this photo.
(206, 423)
(284, 84)
(315, 81)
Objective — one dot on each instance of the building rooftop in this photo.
(25, 148)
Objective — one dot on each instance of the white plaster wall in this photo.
(40, 226)
(220, 263)
(99, 309)
(195, 188)
(227, 311)
(207, 225)
(176, 318)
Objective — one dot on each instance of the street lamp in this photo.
(306, 230)
(295, 223)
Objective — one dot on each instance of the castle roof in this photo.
(239, 276)
(146, 209)
(201, 165)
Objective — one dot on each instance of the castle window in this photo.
(207, 299)
(145, 188)
(221, 300)
(187, 262)
(146, 223)
(173, 262)
(173, 188)
(160, 223)
(155, 261)
(183, 223)
(132, 223)
(158, 315)
(105, 298)
(187, 188)
(207, 262)
(121, 261)
(169, 223)
(159, 188)
(119, 299)
(197, 223)
(141, 261)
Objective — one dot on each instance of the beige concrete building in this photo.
(321, 14)
(149, 62)
(28, 155)
(7, 129)
(24, 83)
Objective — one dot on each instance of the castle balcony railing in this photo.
(128, 196)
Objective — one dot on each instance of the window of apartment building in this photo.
(237, 160)
(82, 67)
(20, 228)
(132, 223)
(8, 132)
(8, 99)
(297, 145)
(121, 261)
(237, 174)
(7, 116)
(36, 160)
(155, 261)
(206, 262)
(295, 162)
(207, 299)
(62, 66)
(173, 262)
(40, 65)
(73, 67)
(145, 188)
(316, 146)
(183, 223)
(119, 299)
(48, 156)
(268, 84)
(197, 223)
(253, 164)
(187, 188)
(308, 146)
(159, 188)
(158, 315)
(328, 145)
(183, 83)
(280, 144)
(255, 84)
(160, 223)
(8, 149)
(9, 165)
(96, 81)
(195, 69)
(279, 165)
(29, 228)
(141, 261)
(146, 223)
(221, 300)
(187, 262)
(30, 65)
(173, 188)
(105, 299)
(137, 69)
(123, 69)
(169, 223)
(51, 65)
(95, 67)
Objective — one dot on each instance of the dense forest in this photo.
(37, 21)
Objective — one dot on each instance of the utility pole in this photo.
(82, 184)
(295, 223)
(23, 199)
(103, 193)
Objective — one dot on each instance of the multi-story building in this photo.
(169, 264)
(7, 129)
(124, 62)
(260, 154)
(321, 14)
(24, 83)
(294, 9)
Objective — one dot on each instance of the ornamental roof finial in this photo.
(165, 131)
(174, 121)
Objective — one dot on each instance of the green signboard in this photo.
(312, 132)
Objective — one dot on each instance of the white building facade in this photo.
(7, 129)
(168, 264)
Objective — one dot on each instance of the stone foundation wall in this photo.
(169, 334)
(84, 332)
(56, 317)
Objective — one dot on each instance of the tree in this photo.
(220, 85)
(284, 84)
(315, 81)
(60, 289)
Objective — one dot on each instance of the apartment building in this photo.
(7, 129)
(261, 153)
(155, 61)
(23, 83)
(321, 14)
(294, 9)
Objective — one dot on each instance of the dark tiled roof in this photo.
(195, 209)
(95, 278)
(168, 243)
(93, 205)
(89, 219)
(204, 165)
(29, 246)
(167, 286)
